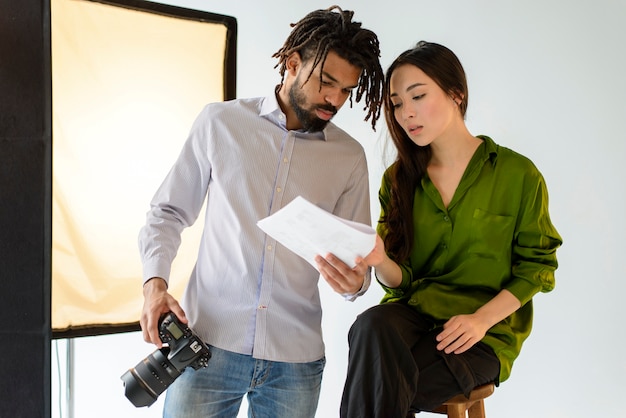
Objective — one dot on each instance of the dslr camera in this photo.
(150, 377)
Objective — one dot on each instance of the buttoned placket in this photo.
(442, 258)
(282, 175)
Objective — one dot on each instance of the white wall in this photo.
(548, 79)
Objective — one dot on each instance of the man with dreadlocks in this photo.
(252, 300)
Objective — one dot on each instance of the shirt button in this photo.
(444, 245)
(285, 160)
(445, 218)
(278, 189)
(269, 248)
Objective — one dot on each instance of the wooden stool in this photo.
(474, 406)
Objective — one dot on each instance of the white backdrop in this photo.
(546, 78)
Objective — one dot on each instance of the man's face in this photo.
(306, 113)
(315, 102)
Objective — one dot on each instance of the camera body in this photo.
(151, 376)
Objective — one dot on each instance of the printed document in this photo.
(309, 230)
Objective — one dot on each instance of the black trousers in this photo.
(395, 369)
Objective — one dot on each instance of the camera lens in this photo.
(149, 378)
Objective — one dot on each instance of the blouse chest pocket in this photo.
(491, 235)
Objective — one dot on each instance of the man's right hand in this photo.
(157, 302)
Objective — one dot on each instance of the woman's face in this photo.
(420, 106)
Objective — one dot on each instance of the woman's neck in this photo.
(454, 149)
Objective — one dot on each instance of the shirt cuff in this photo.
(351, 297)
(156, 267)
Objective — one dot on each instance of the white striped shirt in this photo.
(247, 293)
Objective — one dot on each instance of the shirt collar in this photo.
(489, 149)
(271, 111)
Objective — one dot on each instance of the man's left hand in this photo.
(344, 279)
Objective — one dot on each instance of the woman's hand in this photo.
(378, 254)
(387, 271)
(460, 333)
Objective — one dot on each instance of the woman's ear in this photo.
(457, 98)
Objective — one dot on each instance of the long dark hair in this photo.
(444, 68)
(327, 30)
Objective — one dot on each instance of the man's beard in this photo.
(309, 120)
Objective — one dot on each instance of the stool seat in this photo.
(467, 407)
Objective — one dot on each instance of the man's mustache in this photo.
(328, 108)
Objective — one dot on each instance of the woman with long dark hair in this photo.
(465, 242)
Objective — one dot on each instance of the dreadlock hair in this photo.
(444, 68)
(322, 31)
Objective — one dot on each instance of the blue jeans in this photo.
(274, 389)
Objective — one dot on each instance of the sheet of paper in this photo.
(308, 230)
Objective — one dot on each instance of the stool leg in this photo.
(456, 410)
(477, 410)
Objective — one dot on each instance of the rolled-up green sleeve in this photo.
(405, 287)
(535, 243)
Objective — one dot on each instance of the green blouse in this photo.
(495, 234)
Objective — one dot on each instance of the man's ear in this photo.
(293, 63)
